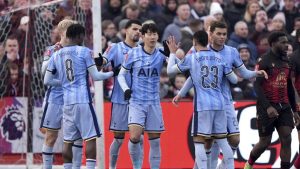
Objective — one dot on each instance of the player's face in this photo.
(150, 39)
(133, 32)
(282, 45)
(219, 36)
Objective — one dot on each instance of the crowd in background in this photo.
(249, 23)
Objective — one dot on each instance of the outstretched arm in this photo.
(248, 74)
(99, 75)
(231, 76)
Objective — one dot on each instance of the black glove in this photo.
(166, 50)
(116, 70)
(99, 60)
(127, 94)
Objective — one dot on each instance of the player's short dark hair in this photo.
(151, 27)
(274, 36)
(74, 31)
(130, 22)
(217, 24)
(201, 38)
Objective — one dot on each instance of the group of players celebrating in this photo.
(136, 108)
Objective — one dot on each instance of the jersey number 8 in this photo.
(69, 70)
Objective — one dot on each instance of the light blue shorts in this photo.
(52, 116)
(80, 121)
(232, 122)
(148, 116)
(119, 117)
(210, 123)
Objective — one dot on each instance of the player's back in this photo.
(54, 94)
(230, 57)
(72, 63)
(207, 71)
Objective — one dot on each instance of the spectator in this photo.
(178, 84)
(269, 6)
(182, 19)
(187, 33)
(2, 50)
(199, 9)
(112, 9)
(110, 31)
(166, 16)
(11, 47)
(145, 12)
(296, 26)
(216, 11)
(249, 16)
(278, 23)
(122, 31)
(291, 12)
(14, 85)
(233, 13)
(263, 45)
(244, 89)
(260, 26)
(130, 11)
(239, 36)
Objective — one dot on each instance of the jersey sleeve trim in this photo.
(178, 68)
(239, 66)
(228, 73)
(91, 65)
(125, 68)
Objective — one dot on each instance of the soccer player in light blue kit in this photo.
(218, 35)
(53, 107)
(73, 64)
(144, 63)
(207, 71)
(115, 54)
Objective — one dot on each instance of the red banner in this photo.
(177, 146)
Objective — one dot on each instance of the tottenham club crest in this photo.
(12, 124)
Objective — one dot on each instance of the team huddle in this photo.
(136, 68)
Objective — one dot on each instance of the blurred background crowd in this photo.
(249, 23)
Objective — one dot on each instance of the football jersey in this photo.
(71, 64)
(115, 54)
(145, 69)
(207, 72)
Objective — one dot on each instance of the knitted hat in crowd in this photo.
(280, 16)
(215, 8)
(243, 46)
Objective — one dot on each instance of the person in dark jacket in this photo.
(239, 36)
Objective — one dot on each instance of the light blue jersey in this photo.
(53, 94)
(207, 72)
(232, 58)
(116, 55)
(145, 70)
(71, 64)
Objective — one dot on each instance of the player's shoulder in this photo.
(230, 49)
